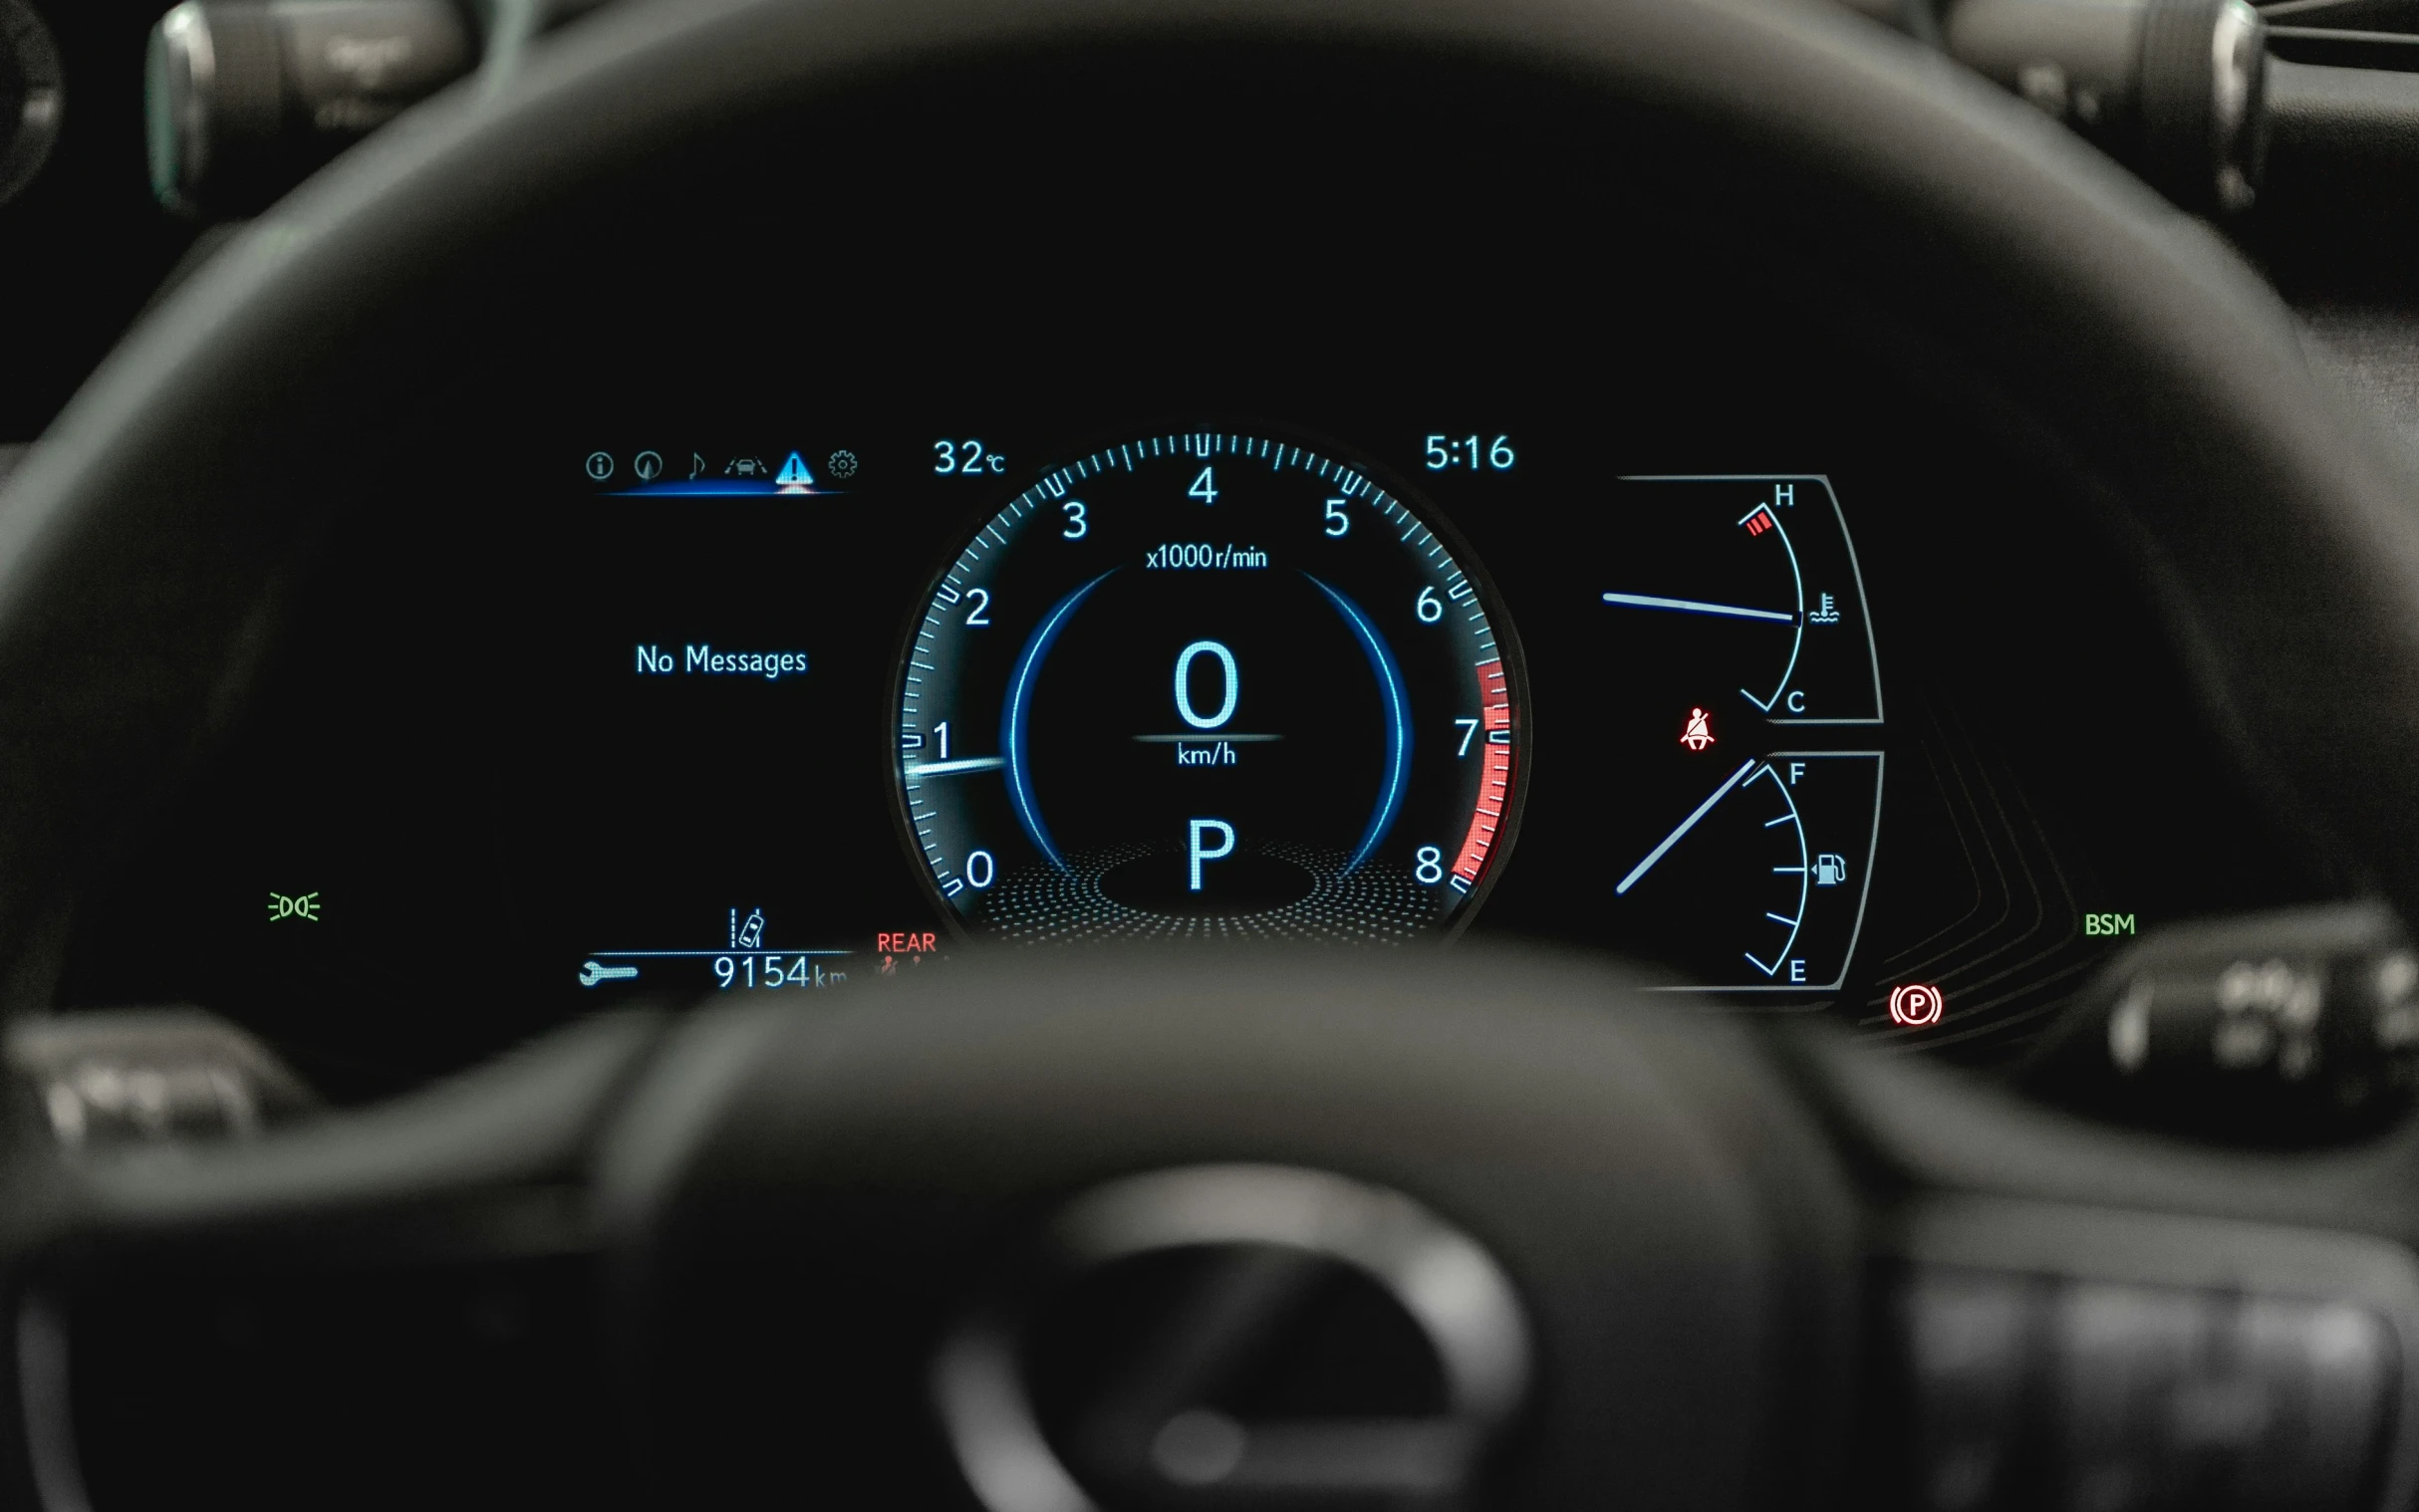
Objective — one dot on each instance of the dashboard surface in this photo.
(1339, 523)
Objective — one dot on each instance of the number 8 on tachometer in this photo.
(1211, 685)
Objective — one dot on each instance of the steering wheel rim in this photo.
(1673, 1224)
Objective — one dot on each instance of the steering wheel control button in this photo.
(33, 96)
(2040, 1391)
(241, 99)
(2304, 1023)
(1242, 1330)
(148, 1076)
(2175, 89)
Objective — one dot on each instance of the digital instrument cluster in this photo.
(683, 708)
(1247, 684)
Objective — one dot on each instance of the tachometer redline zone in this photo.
(1495, 791)
(1210, 685)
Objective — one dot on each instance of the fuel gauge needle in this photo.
(1686, 825)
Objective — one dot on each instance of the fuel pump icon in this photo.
(1831, 870)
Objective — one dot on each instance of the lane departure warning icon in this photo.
(1698, 733)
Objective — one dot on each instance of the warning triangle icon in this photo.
(794, 474)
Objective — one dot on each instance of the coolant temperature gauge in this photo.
(1741, 693)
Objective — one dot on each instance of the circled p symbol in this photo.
(1916, 1005)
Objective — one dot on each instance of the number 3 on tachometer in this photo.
(1210, 705)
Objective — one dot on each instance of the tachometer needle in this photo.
(1692, 606)
(1686, 825)
(968, 764)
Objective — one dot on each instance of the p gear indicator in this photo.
(1209, 684)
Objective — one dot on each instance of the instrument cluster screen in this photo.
(1225, 683)
(663, 712)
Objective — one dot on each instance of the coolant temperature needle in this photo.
(1686, 825)
(1695, 607)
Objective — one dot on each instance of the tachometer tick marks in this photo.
(1280, 750)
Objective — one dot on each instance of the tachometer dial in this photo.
(1211, 685)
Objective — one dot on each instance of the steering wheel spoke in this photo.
(413, 1284)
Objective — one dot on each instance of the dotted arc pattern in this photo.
(1374, 904)
(1369, 905)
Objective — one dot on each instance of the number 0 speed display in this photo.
(1209, 684)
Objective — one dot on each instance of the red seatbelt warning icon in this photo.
(1698, 733)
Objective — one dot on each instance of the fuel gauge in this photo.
(1737, 684)
(1762, 884)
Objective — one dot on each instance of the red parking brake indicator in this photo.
(1916, 1005)
(1495, 781)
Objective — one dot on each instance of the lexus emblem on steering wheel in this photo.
(1209, 1335)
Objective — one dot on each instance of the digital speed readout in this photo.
(1211, 685)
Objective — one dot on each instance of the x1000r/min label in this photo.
(1211, 685)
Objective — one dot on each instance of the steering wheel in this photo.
(1501, 1229)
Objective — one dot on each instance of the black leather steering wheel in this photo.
(1683, 1215)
